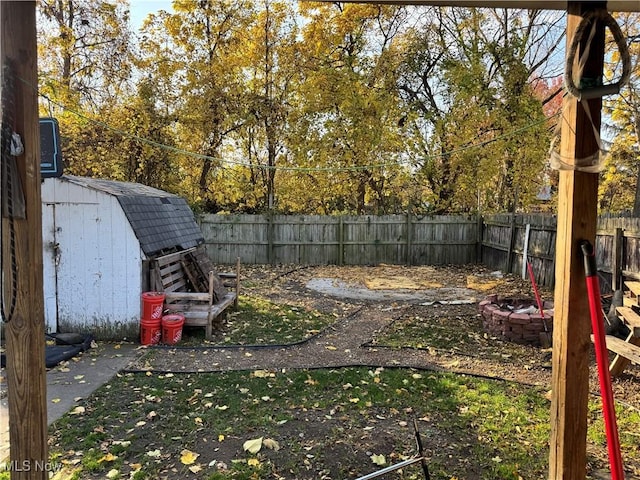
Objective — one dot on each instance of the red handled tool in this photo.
(602, 359)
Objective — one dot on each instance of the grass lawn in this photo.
(258, 321)
(339, 423)
(326, 423)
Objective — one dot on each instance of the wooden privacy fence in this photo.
(498, 241)
(506, 239)
(341, 240)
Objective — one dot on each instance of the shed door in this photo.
(72, 287)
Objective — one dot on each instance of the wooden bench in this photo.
(627, 350)
(201, 297)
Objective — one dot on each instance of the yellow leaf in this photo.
(77, 411)
(221, 438)
(271, 444)
(154, 453)
(55, 400)
(109, 457)
(221, 407)
(113, 473)
(354, 400)
(378, 459)
(330, 347)
(252, 446)
(188, 457)
(253, 462)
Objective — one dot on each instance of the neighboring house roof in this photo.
(160, 220)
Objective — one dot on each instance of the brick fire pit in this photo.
(515, 319)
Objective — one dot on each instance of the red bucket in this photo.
(150, 332)
(152, 303)
(172, 328)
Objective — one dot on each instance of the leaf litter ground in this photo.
(341, 402)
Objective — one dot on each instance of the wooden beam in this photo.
(26, 375)
(614, 5)
(577, 220)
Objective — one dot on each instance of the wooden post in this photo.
(512, 242)
(616, 264)
(341, 241)
(479, 238)
(26, 376)
(577, 220)
(270, 231)
(408, 245)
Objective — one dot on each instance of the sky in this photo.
(139, 9)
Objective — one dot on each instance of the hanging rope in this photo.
(8, 112)
(596, 91)
(589, 88)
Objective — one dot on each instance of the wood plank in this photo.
(24, 327)
(628, 301)
(634, 288)
(630, 318)
(620, 362)
(626, 349)
(577, 221)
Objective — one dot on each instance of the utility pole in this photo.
(22, 293)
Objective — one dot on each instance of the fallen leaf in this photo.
(113, 473)
(198, 420)
(77, 411)
(55, 400)
(378, 459)
(141, 423)
(354, 400)
(221, 438)
(187, 457)
(109, 457)
(253, 462)
(151, 415)
(271, 444)
(154, 453)
(221, 407)
(195, 468)
(78, 377)
(330, 347)
(252, 446)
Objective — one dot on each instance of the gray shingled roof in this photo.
(160, 220)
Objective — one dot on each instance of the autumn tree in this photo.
(84, 51)
(346, 127)
(467, 77)
(620, 187)
(190, 54)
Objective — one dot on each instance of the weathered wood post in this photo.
(577, 220)
(22, 265)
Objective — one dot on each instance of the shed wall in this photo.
(92, 281)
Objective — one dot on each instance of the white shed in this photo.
(98, 236)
